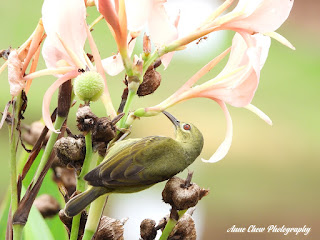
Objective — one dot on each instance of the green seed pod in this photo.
(89, 86)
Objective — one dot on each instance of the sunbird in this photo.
(136, 164)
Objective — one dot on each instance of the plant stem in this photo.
(86, 162)
(81, 184)
(17, 231)
(130, 97)
(94, 216)
(47, 152)
(170, 225)
(153, 57)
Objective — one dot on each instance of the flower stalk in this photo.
(81, 184)
(171, 224)
(17, 229)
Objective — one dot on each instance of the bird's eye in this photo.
(186, 127)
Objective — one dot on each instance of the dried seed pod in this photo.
(104, 130)
(86, 119)
(47, 205)
(33, 133)
(71, 151)
(185, 229)
(180, 196)
(109, 229)
(151, 81)
(148, 230)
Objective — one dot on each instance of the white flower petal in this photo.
(259, 113)
(225, 145)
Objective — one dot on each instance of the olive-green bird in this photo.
(136, 164)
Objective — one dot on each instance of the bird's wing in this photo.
(137, 164)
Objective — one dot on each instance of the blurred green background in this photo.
(270, 175)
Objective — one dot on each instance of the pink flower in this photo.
(249, 16)
(152, 13)
(235, 85)
(113, 65)
(257, 16)
(114, 12)
(18, 61)
(67, 31)
(64, 19)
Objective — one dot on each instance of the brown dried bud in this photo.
(71, 151)
(148, 230)
(67, 221)
(47, 205)
(86, 119)
(146, 44)
(151, 81)
(109, 229)
(180, 196)
(185, 229)
(33, 133)
(104, 130)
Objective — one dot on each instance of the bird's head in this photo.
(186, 133)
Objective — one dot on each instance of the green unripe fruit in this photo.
(89, 86)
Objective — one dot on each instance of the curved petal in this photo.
(259, 113)
(161, 30)
(237, 90)
(238, 81)
(280, 39)
(67, 19)
(225, 145)
(268, 16)
(48, 95)
(137, 16)
(113, 65)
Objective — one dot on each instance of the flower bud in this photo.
(180, 196)
(146, 45)
(47, 205)
(86, 119)
(89, 86)
(71, 151)
(148, 230)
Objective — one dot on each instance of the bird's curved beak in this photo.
(175, 122)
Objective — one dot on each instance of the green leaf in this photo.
(4, 211)
(48, 186)
(36, 227)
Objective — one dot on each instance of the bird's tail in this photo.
(79, 202)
